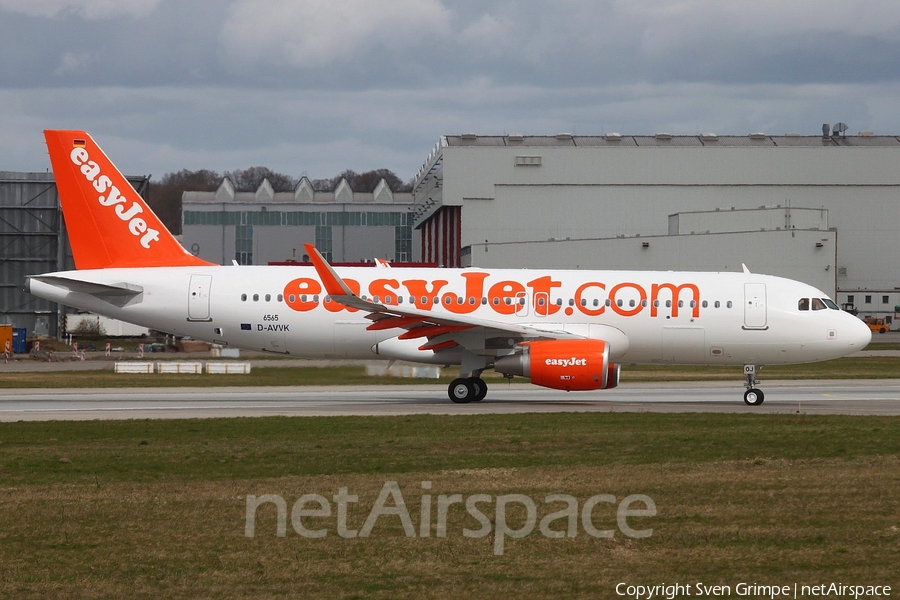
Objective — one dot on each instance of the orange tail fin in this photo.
(107, 221)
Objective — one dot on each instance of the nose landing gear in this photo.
(753, 396)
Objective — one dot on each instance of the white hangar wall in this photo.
(805, 255)
(531, 189)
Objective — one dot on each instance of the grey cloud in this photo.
(189, 85)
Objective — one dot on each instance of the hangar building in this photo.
(820, 209)
(257, 228)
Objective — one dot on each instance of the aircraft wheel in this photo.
(754, 397)
(461, 391)
(480, 388)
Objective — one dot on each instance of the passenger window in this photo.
(496, 301)
(596, 302)
(484, 301)
(705, 304)
(717, 304)
(803, 304)
(728, 304)
(292, 298)
(619, 302)
(256, 297)
(631, 303)
(280, 298)
(268, 297)
(471, 299)
(818, 304)
(243, 297)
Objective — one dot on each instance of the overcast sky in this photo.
(317, 86)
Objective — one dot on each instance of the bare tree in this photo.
(165, 194)
(249, 180)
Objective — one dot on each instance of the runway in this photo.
(853, 397)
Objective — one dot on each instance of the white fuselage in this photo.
(646, 317)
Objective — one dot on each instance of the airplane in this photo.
(564, 329)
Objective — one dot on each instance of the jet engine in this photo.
(571, 365)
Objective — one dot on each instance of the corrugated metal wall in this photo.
(32, 241)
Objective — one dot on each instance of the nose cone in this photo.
(858, 334)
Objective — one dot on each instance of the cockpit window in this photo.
(831, 304)
(803, 304)
(817, 304)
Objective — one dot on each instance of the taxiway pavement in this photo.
(850, 397)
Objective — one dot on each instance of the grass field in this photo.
(158, 508)
(870, 367)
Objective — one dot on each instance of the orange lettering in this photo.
(621, 310)
(591, 312)
(474, 289)
(418, 289)
(502, 296)
(296, 289)
(542, 287)
(335, 306)
(675, 291)
(385, 289)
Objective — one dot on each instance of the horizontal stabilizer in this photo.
(119, 294)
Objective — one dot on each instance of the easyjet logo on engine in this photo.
(566, 362)
(475, 290)
(103, 184)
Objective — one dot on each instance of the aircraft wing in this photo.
(440, 330)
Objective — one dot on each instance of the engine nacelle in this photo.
(563, 365)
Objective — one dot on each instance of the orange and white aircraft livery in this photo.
(566, 330)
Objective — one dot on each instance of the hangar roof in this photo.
(665, 140)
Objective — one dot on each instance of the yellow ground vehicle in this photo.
(877, 324)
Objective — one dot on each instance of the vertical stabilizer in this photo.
(108, 223)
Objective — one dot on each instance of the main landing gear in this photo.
(753, 396)
(467, 389)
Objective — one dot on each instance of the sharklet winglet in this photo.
(334, 285)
